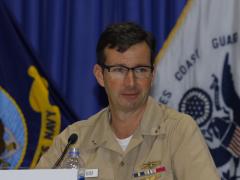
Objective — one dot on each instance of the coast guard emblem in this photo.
(217, 117)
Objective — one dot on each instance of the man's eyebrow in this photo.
(124, 65)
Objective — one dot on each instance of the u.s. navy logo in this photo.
(50, 114)
(13, 140)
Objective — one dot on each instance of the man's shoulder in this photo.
(170, 117)
(175, 115)
(176, 121)
(166, 113)
(175, 125)
(85, 128)
(91, 121)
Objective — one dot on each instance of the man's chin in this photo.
(130, 106)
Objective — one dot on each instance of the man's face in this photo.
(127, 93)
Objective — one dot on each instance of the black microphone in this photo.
(71, 140)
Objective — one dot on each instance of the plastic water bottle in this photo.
(73, 161)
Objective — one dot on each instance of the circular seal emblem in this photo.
(198, 104)
(14, 135)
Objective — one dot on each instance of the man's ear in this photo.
(98, 73)
(153, 75)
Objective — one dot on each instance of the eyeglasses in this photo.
(120, 71)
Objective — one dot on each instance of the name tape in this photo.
(91, 172)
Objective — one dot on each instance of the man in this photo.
(135, 137)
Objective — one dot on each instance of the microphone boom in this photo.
(71, 140)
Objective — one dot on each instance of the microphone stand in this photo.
(71, 140)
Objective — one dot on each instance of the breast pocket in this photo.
(105, 174)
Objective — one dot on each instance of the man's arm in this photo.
(48, 159)
(191, 158)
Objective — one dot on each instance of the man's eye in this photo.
(141, 70)
(118, 69)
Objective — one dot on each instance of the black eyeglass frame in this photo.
(108, 67)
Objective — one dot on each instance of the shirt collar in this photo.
(151, 124)
(153, 118)
(101, 132)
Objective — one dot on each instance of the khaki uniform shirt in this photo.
(167, 145)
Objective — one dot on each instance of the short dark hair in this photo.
(122, 36)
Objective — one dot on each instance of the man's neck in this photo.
(124, 124)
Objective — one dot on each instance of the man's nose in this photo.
(130, 78)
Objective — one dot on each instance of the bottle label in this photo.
(81, 178)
